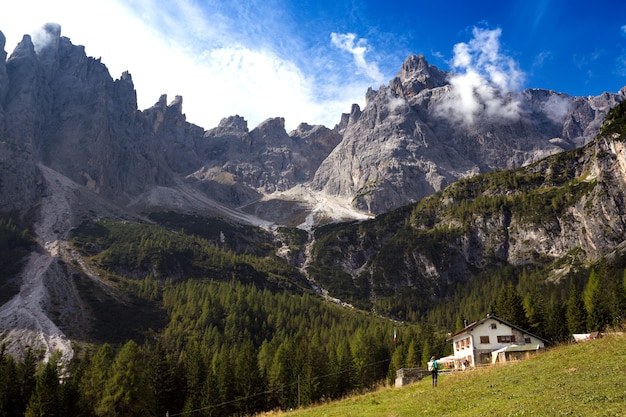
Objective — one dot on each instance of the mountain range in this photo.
(74, 147)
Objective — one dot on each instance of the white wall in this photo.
(485, 329)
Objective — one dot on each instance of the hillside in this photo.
(540, 227)
(585, 379)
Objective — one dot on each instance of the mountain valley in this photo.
(125, 224)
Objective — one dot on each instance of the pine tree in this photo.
(426, 352)
(45, 399)
(459, 323)
(223, 365)
(345, 371)
(397, 362)
(247, 379)
(509, 306)
(315, 366)
(69, 393)
(592, 287)
(127, 391)
(413, 355)
(210, 396)
(599, 315)
(281, 377)
(556, 322)
(161, 374)
(363, 356)
(618, 301)
(10, 397)
(26, 380)
(195, 372)
(576, 314)
(534, 306)
(97, 373)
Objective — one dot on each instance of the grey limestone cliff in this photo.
(410, 141)
(62, 109)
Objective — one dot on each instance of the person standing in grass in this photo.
(433, 367)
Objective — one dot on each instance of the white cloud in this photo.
(623, 30)
(557, 107)
(620, 65)
(541, 58)
(484, 81)
(348, 42)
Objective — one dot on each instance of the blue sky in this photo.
(308, 61)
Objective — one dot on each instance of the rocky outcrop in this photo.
(557, 215)
(63, 109)
(416, 75)
(20, 180)
(66, 112)
(239, 166)
(407, 142)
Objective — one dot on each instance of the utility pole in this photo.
(298, 390)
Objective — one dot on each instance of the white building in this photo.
(492, 339)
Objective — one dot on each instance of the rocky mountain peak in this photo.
(234, 124)
(23, 52)
(271, 133)
(275, 125)
(320, 137)
(353, 116)
(415, 75)
(403, 146)
(412, 66)
(162, 112)
(176, 106)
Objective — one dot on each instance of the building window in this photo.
(484, 340)
(493, 326)
(527, 340)
(506, 339)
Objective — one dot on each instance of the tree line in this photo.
(251, 338)
(228, 349)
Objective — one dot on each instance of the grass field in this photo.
(585, 379)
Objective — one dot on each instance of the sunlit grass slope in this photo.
(585, 379)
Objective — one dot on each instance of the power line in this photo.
(274, 390)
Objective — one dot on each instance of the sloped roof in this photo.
(517, 348)
(472, 326)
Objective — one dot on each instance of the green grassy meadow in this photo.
(585, 379)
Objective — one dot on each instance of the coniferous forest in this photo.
(253, 338)
(211, 329)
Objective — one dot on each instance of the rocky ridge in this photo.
(406, 144)
(558, 216)
(62, 109)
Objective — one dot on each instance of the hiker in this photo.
(433, 367)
